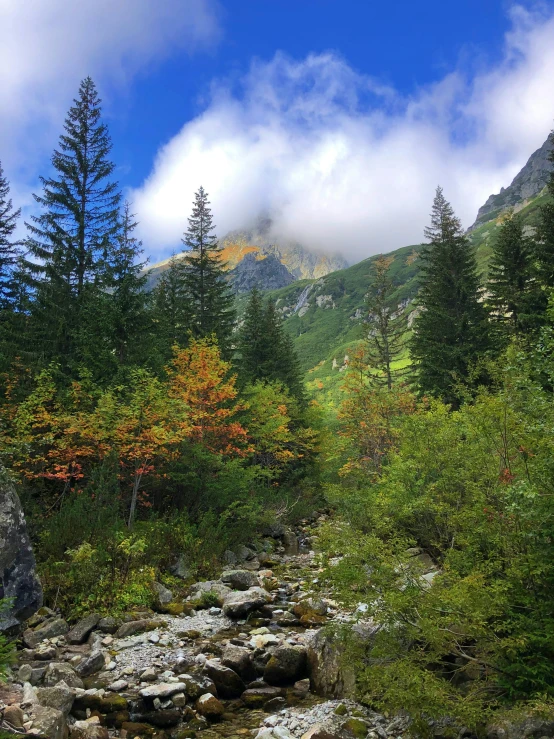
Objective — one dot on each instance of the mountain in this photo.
(257, 257)
(527, 184)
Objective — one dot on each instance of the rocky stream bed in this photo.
(245, 655)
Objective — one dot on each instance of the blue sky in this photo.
(338, 117)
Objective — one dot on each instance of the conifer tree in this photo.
(544, 243)
(70, 240)
(451, 333)
(252, 343)
(171, 310)
(515, 298)
(384, 342)
(211, 300)
(9, 248)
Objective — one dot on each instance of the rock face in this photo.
(526, 184)
(255, 271)
(19, 580)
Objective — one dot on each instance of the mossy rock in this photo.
(312, 619)
(356, 728)
(189, 634)
(341, 710)
(107, 704)
(173, 609)
(136, 729)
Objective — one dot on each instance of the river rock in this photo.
(320, 732)
(239, 659)
(88, 730)
(50, 722)
(47, 630)
(240, 604)
(209, 706)
(287, 664)
(197, 685)
(14, 715)
(91, 664)
(137, 627)
(227, 682)
(256, 697)
(163, 719)
(60, 671)
(79, 633)
(239, 579)
(276, 732)
(162, 690)
(530, 726)
(109, 624)
(60, 697)
(163, 594)
(210, 586)
(17, 562)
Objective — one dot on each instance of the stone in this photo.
(24, 673)
(320, 732)
(529, 726)
(239, 604)
(229, 557)
(91, 664)
(239, 659)
(14, 715)
(18, 574)
(227, 682)
(239, 579)
(163, 594)
(290, 542)
(137, 627)
(47, 630)
(109, 624)
(164, 718)
(46, 653)
(309, 606)
(201, 589)
(287, 664)
(181, 568)
(197, 685)
(261, 641)
(88, 730)
(162, 690)
(149, 675)
(105, 703)
(179, 700)
(118, 685)
(29, 697)
(60, 671)
(356, 728)
(331, 676)
(209, 706)
(50, 722)
(286, 619)
(275, 732)
(59, 696)
(135, 729)
(256, 697)
(302, 686)
(79, 633)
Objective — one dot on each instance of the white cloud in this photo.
(344, 163)
(48, 46)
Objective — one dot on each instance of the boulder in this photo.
(103, 703)
(91, 664)
(88, 730)
(529, 726)
(209, 706)
(200, 589)
(287, 664)
(49, 722)
(239, 579)
(60, 671)
(240, 604)
(239, 659)
(163, 595)
(109, 624)
(331, 675)
(163, 719)
(14, 716)
(227, 682)
(59, 696)
(79, 633)
(256, 697)
(47, 630)
(137, 627)
(276, 732)
(18, 577)
(321, 732)
(197, 685)
(162, 690)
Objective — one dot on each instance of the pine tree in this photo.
(452, 332)
(171, 311)
(384, 342)
(70, 240)
(252, 343)
(9, 248)
(211, 300)
(281, 362)
(515, 297)
(544, 243)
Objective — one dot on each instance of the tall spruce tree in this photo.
(171, 310)
(451, 332)
(211, 300)
(516, 300)
(9, 247)
(544, 242)
(385, 336)
(252, 341)
(70, 240)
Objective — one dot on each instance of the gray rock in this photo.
(256, 697)
(210, 586)
(181, 568)
(149, 675)
(239, 659)
(287, 664)
(88, 730)
(277, 732)
(239, 579)
(91, 664)
(24, 673)
(109, 625)
(197, 685)
(227, 682)
(137, 627)
(530, 726)
(60, 696)
(79, 633)
(290, 542)
(50, 722)
(53, 627)
(17, 563)
(229, 557)
(162, 690)
(163, 594)
(240, 604)
(209, 706)
(163, 719)
(58, 671)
